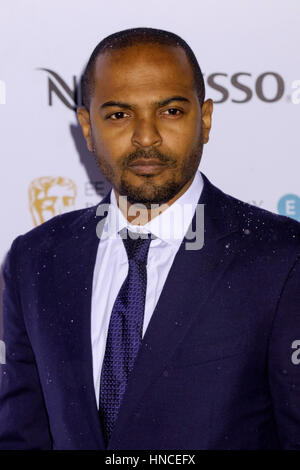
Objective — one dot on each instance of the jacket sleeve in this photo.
(284, 361)
(23, 416)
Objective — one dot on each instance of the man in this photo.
(138, 341)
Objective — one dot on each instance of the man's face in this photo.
(145, 124)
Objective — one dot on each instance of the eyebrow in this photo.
(121, 104)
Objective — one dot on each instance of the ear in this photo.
(84, 121)
(207, 109)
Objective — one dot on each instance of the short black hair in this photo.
(131, 37)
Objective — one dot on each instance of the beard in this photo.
(149, 192)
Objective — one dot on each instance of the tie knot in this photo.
(136, 245)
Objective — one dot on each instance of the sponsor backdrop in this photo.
(248, 51)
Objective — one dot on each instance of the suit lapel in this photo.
(191, 280)
(74, 281)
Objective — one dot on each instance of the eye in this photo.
(116, 116)
(173, 112)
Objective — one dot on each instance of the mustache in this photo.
(149, 154)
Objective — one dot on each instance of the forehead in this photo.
(142, 70)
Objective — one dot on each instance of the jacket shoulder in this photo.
(264, 225)
(257, 226)
(56, 230)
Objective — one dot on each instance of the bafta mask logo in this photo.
(50, 196)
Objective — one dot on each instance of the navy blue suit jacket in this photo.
(215, 369)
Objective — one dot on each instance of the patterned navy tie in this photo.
(125, 330)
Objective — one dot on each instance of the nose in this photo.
(146, 134)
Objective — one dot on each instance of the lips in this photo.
(149, 166)
(147, 162)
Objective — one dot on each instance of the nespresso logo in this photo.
(240, 88)
(57, 86)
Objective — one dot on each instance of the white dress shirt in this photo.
(111, 266)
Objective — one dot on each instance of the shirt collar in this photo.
(170, 226)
